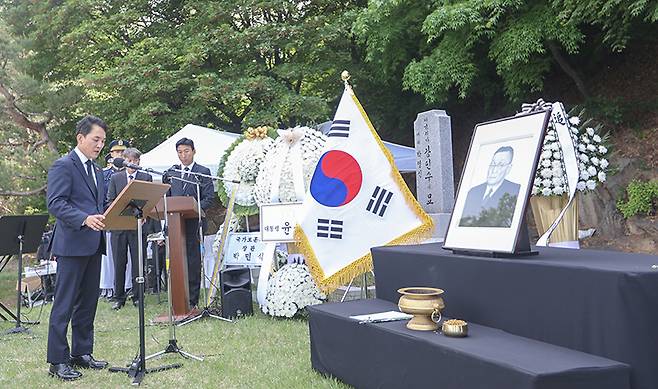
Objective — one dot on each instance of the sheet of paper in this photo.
(381, 317)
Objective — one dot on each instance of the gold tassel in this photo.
(364, 263)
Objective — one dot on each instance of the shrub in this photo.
(642, 198)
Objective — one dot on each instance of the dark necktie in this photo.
(130, 177)
(186, 176)
(90, 176)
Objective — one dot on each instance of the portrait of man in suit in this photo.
(188, 187)
(492, 203)
(76, 198)
(126, 240)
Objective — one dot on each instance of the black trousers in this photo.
(122, 241)
(76, 298)
(193, 259)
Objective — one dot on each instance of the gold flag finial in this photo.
(345, 76)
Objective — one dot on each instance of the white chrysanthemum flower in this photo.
(290, 290)
(574, 120)
(546, 154)
(557, 181)
(558, 190)
(546, 191)
(584, 158)
(603, 149)
(549, 138)
(591, 184)
(546, 173)
(557, 165)
(597, 139)
(591, 170)
(546, 163)
(557, 155)
(584, 175)
(554, 146)
(242, 165)
(585, 139)
(547, 182)
(234, 226)
(312, 144)
(603, 163)
(602, 176)
(582, 148)
(581, 185)
(594, 160)
(590, 131)
(535, 190)
(591, 147)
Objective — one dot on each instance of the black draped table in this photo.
(389, 355)
(601, 302)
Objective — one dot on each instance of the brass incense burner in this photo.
(425, 304)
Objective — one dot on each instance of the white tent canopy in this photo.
(209, 144)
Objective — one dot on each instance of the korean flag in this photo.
(357, 200)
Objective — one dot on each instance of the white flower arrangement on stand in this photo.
(279, 154)
(291, 289)
(591, 152)
(242, 162)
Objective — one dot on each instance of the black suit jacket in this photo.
(118, 181)
(179, 188)
(71, 198)
(475, 206)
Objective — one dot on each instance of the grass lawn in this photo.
(253, 352)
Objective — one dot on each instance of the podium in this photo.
(127, 212)
(179, 209)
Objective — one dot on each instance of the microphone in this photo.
(121, 163)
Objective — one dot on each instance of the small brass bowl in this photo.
(455, 330)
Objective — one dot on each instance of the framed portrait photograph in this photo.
(495, 184)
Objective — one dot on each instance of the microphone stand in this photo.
(172, 346)
(207, 310)
(137, 368)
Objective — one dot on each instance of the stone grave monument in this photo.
(435, 186)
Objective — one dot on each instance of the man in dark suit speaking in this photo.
(492, 203)
(76, 199)
(122, 241)
(185, 150)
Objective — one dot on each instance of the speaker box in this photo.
(235, 288)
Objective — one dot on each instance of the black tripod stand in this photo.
(207, 310)
(172, 346)
(137, 369)
(23, 234)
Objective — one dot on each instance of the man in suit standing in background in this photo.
(122, 241)
(75, 198)
(185, 150)
(107, 262)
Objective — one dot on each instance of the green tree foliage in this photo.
(150, 67)
(27, 109)
(462, 43)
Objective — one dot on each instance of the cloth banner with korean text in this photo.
(357, 200)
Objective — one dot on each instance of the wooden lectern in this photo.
(179, 209)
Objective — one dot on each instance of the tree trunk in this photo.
(571, 72)
(21, 119)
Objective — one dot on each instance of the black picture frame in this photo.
(488, 218)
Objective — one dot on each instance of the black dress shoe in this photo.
(118, 304)
(63, 371)
(88, 362)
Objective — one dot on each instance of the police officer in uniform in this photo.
(116, 148)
